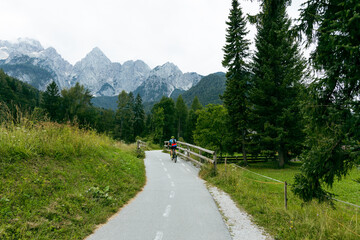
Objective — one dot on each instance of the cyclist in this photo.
(172, 144)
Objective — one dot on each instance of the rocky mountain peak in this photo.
(23, 45)
(96, 56)
(28, 61)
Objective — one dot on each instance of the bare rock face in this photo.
(28, 61)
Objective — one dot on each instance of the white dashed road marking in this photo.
(159, 235)
(167, 211)
(172, 194)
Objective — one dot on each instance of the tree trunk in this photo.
(282, 157)
(243, 148)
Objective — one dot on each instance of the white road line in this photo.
(159, 235)
(169, 176)
(162, 164)
(183, 164)
(172, 184)
(165, 169)
(172, 194)
(167, 211)
(188, 170)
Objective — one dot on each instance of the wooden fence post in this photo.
(138, 144)
(225, 163)
(215, 161)
(285, 192)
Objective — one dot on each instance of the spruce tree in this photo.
(168, 126)
(181, 116)
(332, 109)
(192, 119)
(51, 101)
(235, 97)
(125, 117)
(139, 117)
(278, 69)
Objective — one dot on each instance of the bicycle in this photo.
(174, 156)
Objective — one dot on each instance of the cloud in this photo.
(189, 33)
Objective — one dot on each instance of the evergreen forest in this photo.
(275, 102)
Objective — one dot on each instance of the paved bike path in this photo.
(174, 205)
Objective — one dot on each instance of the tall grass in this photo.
(58, 181)
(264, 200)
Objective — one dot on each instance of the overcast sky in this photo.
(188, 33)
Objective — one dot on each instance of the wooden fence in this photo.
(140, 144)
(249, 158)
(188, 151)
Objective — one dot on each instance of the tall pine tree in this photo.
(125, 117)
(278, 69)
(168, 124)
(333, 108)
(139, 117)
(51, 101)
(192, 119)
(236, 51)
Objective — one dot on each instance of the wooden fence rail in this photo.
(187, 150)
(140, 144)
(237, 159)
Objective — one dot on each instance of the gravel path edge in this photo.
(238, 222)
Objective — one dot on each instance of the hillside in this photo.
(208, 90)
(15, 92)
(105, 102)
(59, 182)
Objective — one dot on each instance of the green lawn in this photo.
(264, 200)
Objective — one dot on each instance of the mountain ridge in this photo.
(26, 60)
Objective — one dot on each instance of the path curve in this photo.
(175, 204)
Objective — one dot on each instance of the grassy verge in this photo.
(264, 200)
(59, 182)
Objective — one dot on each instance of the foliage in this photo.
(278, 69)
(158, 121)
(139, 117)
(236, 51)
(212, 128)
(51, 101)
(208, 90)
(168, 122)
(192, 120)
(75, 103)
(181, 116)
(332, 108)
(16, 93)
(125, 117)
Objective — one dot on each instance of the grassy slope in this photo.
(58, 182)
(265, 202)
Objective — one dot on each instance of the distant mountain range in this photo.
(208, 90)
(26, 60)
